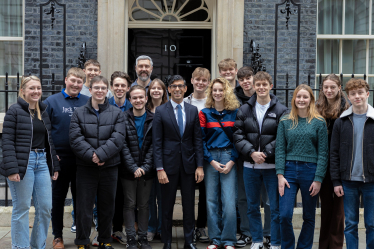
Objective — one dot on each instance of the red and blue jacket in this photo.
(213, 135)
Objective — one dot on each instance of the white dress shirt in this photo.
(175, 108)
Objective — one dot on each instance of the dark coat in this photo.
(17, 139)
(242, 98)
(247, 137)
(103, 135)
(170, 150)
(132, 156)
(341, 151)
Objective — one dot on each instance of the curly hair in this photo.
(355, 83)
(231, 103)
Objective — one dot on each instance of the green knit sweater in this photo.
(307, 142)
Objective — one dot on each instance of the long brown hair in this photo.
(24, 81)
(332, 111)
(149, 105)
(312, 111)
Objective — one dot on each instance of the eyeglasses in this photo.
(177, 86)
(98, 88)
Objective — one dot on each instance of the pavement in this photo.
(177, 242)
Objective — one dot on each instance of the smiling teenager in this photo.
(29, 161)
(352, 161)
(228, 69)
(331, 103)
(301, 158)
(97, 134)
(92, 69)
(60, 107)
(217, 124)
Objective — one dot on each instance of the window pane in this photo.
(12, 96)
(10, 57)
(327, 56)
(371, 57)
(357, 17)
(370, 80)
(11, 18)
(354, 56)
(330, 16)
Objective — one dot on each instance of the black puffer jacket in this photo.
(240, 95)
(132, 156)
(17, 140)
(103, 135)
(247, 137)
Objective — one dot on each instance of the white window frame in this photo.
(10, 38)
(342, 37)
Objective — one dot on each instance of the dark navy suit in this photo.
(179, 157)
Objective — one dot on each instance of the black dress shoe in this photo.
(167, 246)
(190, 246)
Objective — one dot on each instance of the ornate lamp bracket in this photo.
(288, 11)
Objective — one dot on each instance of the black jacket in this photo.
(17, 140)
(341, 151)
(242, 98)
(247, 137)
(132, 156)
(103, 135)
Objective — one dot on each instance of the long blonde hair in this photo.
(231, 103)
(312, 111)
(25, 80)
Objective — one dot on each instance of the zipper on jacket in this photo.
(353, 138)
(362, 151)
(50, 149)
(32, 136)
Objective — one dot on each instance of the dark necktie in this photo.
(180, 119)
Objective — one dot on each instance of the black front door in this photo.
(173, 51)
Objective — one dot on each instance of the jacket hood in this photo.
(253, 99)
(25, 105)
(102, 107)
(130, 113)
(240, 94)
(349, 111)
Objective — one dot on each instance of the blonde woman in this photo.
(217, 122)
(29, 161)
(301, 158)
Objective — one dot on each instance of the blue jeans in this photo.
(265, 199)
(352, 191)
(155, 214)
(220, 200)
(35, 184)
(253, 180)
(300, 175)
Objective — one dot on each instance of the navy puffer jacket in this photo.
(104, 135)
(17, 140)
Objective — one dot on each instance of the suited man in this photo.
(178, 157)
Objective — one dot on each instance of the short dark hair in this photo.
(93, 62)
(244, 72)
(137, 87)
(122, 75)
(98, 79)
(176, 78)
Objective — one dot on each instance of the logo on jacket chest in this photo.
(69, 110)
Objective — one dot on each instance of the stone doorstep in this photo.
(6, 213)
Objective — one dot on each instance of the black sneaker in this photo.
(243, 241)
(105, 246)
(267, 241)
(201, 235)
(143, 242)
(131, 243)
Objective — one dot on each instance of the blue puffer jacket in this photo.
(213, 135)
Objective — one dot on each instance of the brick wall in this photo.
(259, 26)
(81, 26)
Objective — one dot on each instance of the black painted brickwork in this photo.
(259, 25)
(81, 26)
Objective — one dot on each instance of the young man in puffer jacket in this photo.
(137, 172)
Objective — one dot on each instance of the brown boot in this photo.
(58, 243)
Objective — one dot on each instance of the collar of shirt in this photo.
(68, 96)
(136, 83)
(175, 104)
(124, 103)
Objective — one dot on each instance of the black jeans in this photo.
(136, 195)
(92, 181)
(118, 209)
(60, 188)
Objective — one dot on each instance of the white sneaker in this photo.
(150, 236)
(229, 247)
(257, 246)
(120, 237)
(95, 242)
(275, 247)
